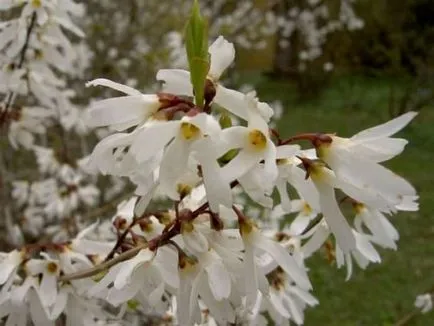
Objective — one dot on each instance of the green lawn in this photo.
(383, 293)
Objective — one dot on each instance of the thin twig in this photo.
(414, 313)
(407, 318)
(103, 266)
(23, 51)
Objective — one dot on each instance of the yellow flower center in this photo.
(133, 304)
(358, 208)
(277, 279)
(36, 3)
(187, 227)
(186, 264)
(316, 170)
(183, 189)
(246, 227)
(39, 54)
(257, 139)
(52, 268)
(282, 161)
(189, 131)
(307, 210)
(323, 150)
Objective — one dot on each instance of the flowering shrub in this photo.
(208, 258)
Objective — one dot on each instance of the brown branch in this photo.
(407, 318)
(22, 58)
(104, 266)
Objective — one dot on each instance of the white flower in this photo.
(33, 220)
(9, 264)
(288, 301)
(122, 112)
(375, 143)
(130, 277)
(25, 301)
(217, 188)
(20, 192)
(424, 302)
(11, 79)
(289, 172)
(364, 253)
(305, 215)
(253, 241)
(222, 54)
(254, 144)
(78, 310)
(383, 232)
(110, 155)
(49, 269)
(46, 159)
(325, 181)
(193, 238)
(174, 163)
(256, 185)
(209, 279)
(355, 160)
(87, 246)
(28, 122)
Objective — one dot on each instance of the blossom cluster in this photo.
(40, 56)
(205, 260)
(313, 21)
(34, 49)
(231, 245)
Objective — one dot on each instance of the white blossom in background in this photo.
(37, 57)
(314, 22)
(424, 302)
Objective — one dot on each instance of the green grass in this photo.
(385, 292)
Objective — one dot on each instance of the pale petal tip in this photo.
(93, 82)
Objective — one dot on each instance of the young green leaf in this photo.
(196, 42)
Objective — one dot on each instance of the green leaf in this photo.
(228, 156)
(196, 42)
(225, 120)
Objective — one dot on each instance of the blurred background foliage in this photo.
(379, 71)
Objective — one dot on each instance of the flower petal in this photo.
(231, 100)
(239, 165)
(217, 188)
(386, 129)
(48, 289)
(222, 55)
(335, 220)
(300, 223)
(151, 139)
(113, 85)
(219, 281)
(251, 280)
(60, 304)
(284, 259)
(176, 81)
(319, 236)
(173, 165)
(304, 295)
(124, 275)
(122, 112)
(195, 241)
